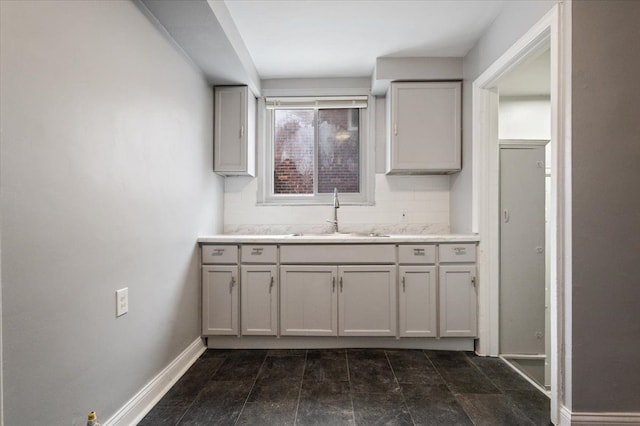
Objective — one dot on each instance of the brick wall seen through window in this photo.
(338, 150)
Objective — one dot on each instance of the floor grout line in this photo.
(483, 373)
(353, 410)
(304, 367)
(193, 401)
(404, 401)
(251, 389)
(502, 392)
(455, 395)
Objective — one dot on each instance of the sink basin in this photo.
(367, 234)
(341, 235)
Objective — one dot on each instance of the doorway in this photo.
(524, 131)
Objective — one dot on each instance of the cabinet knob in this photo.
(473, 281)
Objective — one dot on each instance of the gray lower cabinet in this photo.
(220, 300)
(259, 300)
(367, 300)
(419, 290)
(458, 301)
(417, 301)
(308, 300)
(319, 300)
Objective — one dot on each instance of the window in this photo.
(316, 145)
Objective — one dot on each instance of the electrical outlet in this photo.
(122, 301)
(404, 215)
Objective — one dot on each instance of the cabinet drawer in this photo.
(457, 253)
(337, 254)
(219, 254)
(417, 254)
(259, 254)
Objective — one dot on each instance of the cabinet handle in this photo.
(473, 281)
(395, 129)
(404, 287)
(241, 131)
(334, 283)
(233, 282)
(271, 285)
(341, 284)
(505, 215)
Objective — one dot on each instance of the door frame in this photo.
(552, 31)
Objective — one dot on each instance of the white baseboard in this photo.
(568, 418)
(142, 402)
(565, 416)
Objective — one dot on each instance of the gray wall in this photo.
(514, 21)
(106, 183)
(606, 205)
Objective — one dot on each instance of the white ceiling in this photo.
(342, 38)
(531, 78)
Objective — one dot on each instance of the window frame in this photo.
(266, 152)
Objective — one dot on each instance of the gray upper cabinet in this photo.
(424, 127)
(234, 131)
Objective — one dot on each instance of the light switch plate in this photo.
(122, 301)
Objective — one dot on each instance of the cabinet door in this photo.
(417, 301)
(425, 128)
(259, 300)
(234, 136)
(458, 301)
(367, 300)
(308, 301)
(219, 300)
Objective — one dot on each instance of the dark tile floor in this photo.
(349, 387)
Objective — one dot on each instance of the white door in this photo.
(259, 300)
(417, 301)
(522, 250)
(458, 301)
(308, 301)
(367, 301)
(219, 300)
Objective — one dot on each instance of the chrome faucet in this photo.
(336, 206)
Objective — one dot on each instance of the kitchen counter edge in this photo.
(315, 239)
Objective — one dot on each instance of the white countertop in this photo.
(346, 238)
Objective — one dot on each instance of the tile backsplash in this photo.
(424, 198)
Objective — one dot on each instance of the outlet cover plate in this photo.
(122, 301)
(404, 215)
